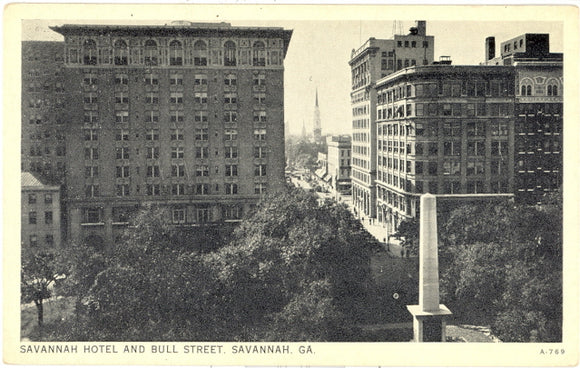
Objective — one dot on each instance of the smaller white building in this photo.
(339, 163)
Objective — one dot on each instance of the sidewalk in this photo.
(375, 229)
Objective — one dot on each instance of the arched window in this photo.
(523, 93)
(552, 90)
(229, 54)
(120, 52)
(150, 52)
(526, 90)
(175, 53)
(529, 90)
(259, 54)
(200, 53)
(90, 52)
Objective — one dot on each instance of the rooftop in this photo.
(30, 181)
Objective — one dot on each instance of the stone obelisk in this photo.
(429, 316)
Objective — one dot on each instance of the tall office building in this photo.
(188, 115)
(443, 129)
(539, 112)
(43, 128)
(375, 59)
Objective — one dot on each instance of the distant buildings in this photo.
(40, 211)
(186, 115)
(375, 59)
(339, 163)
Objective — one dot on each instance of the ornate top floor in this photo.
(180, 44)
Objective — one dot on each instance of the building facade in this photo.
(339, 163)
(187, 115)
(539, 87)
(443, 129)
(43, 146)
(40, 213)
(375, 59)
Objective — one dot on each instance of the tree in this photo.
(408, 230)
(41, 269)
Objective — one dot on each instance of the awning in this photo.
(327, 177)
(320, 172)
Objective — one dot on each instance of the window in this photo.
(499, 148)
(200, 97)
(178, 216)
(475, 168)
(121, 98)
(48, 198)
(175, 53)
(32, 198)
(153, 171)
(90, 79)
(432, 168)
(176, 98)
(90, 52)
(178, 170)
(49, 239)
(123, 190)
(152, 135)
(202, 189)
(552, 90)
(152, 152)
(231, 134)
(32, 217)
(176, 79)
(260, 134)
(91, 171)
(122, 116)
(230, 80)
(230, 116)
(152, 98)
(230, 98)
(260, 152)
(259, 54)
(260, 116)
(200, 80)
(259, 79)
(475, 129)
(178, 189)
(176, 135)
(433, 148)
(153, 189)
(33, 240)
(260, 188)
(231, 188)
(91, 117)
(202, 170)
(91, 153)
(201, 116)
(150, 53)
(91, 191)
(200, 53)
(123, 171)
(201, 152)
(260, 170)
(452, 148)
(475, 148)
(259, 98)
(121, 79)
(91, 98)
(121, 135)
(526, 90)
(231, 170)
(176, 152)
(229, 53)
(201, 134)
(231, 152)
(451, 168)
(122, 153)
(120, 52)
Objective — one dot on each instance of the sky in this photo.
(319, 52)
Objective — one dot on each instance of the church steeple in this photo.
(317, 128)
(316, 97)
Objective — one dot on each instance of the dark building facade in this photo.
(43, 146)
(186, 115)
(443, 129)
(539, 121)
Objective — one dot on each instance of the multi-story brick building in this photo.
(443, 129)
(375, 59)
(40, 213)
(539, 118)
(187, 115)
(43, 147)
(339, 162)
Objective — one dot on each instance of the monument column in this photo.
(429, 317)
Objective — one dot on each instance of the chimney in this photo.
(489, 48)
(421, 28)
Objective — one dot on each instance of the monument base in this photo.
(429, 326)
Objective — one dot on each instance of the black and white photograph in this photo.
(290, 185)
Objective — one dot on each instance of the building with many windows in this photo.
(339, 162)
(40, 213)
(375, 59)
(443, 129)
(188, 115)
(43, 147)
(539, 112)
